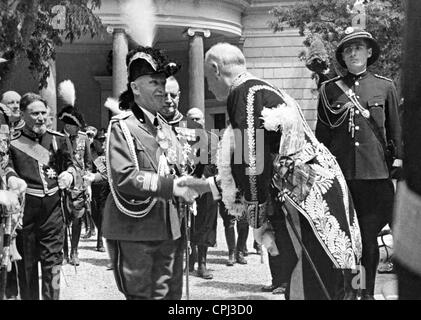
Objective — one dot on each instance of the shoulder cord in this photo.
(343, 110)
(129, 140)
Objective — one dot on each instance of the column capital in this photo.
(191, 32)
(116, 29)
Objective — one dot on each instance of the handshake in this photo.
(190, 188)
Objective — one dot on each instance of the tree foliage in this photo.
(27, 31)
(328, 20)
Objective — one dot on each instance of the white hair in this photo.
(195, 113)
(173, 79)
(226, 56)
(9, 94)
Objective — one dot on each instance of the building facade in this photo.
(185, 30)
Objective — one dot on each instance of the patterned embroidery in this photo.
(344, 250)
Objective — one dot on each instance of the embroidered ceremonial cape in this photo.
(304, 172)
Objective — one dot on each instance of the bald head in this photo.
(11, 99)
(196, 115)
(227, 57)
(223, 63)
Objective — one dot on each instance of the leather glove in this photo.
(200, 186)
(186, 193)
(17, 185)
(10, 201)
(65, 180)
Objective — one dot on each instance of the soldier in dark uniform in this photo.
(99, 181)
(357, 132)
(141, 223)
(78, 202)
(41, 157)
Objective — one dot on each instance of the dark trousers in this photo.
(409, 283)
(12, 283)
(41, 239)
(143, 269)
(229, 224)
(74, 230)
(282, 265)
(100, 193)
(373, 201)
(176, 281)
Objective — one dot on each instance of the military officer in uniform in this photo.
(140, 222)
(41, 157)
(357, 120)
(78, 202)
(98, 180)
(202, 229)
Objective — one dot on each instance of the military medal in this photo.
(51, 173)
(365, 113)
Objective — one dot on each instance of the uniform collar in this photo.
(31, 135)
(140, 113)
(176, 118)
(358, 76)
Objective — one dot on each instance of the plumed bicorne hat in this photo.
(70, 113)
(353, 34)
(147, 61)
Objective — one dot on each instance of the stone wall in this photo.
(274, 57)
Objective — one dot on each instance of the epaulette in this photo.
(330, 80)
(122, 115)
(55, 133)
(384, 78)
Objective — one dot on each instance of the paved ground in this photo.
(92, 280)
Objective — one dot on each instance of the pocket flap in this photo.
(376, 101)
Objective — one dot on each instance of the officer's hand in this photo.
(17, 185)
(397, 170)
(89, 177)
(113, 105)
(186, 193)
(10, 201)
(65, 180)
(397, 163)
(89, 193)
(201, 186)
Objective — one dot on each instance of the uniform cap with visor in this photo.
(352, 34)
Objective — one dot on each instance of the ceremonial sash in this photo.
(33, 149)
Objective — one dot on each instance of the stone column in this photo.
(120, 50)
(196, 68)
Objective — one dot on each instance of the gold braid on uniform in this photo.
(120, 206)
(328, 109)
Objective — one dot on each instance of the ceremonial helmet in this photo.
(356, 33)
(146, 61)
(69, 114)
